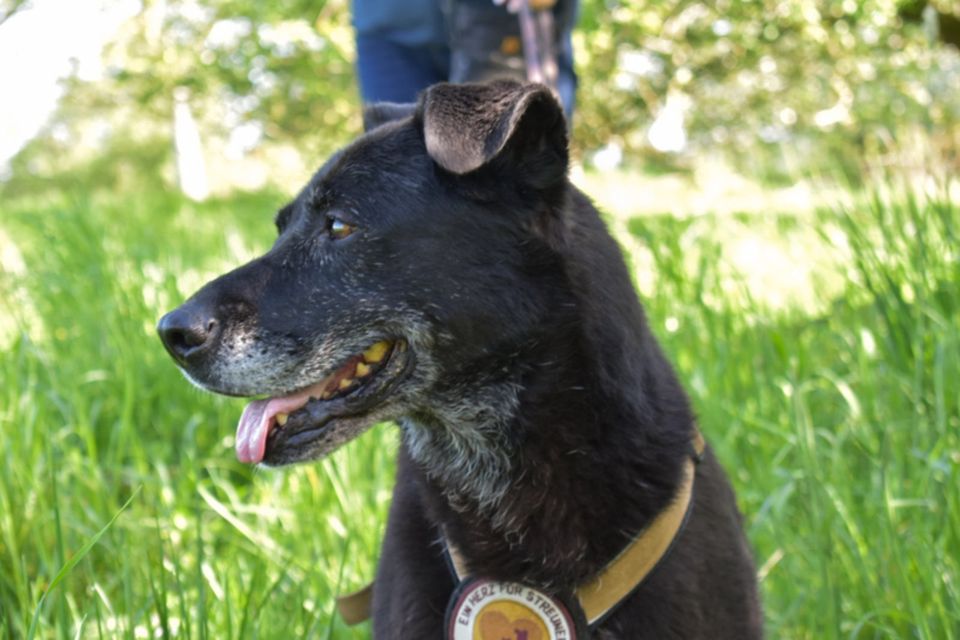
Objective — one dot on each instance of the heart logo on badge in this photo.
(494, 625)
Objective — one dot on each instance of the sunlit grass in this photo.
(839, 427)
(834, 406)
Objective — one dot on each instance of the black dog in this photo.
(443, 273)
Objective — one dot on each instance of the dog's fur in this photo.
(543, 429)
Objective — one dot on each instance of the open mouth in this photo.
(270, 427)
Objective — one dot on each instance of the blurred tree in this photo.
(779, 86)
(835, 76)
(270, 84)
(10, 7)
(941, 15)
(277, 70)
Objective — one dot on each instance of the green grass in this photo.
(835, 412)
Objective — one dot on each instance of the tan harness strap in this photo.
(635, 563)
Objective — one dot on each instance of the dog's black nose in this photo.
(188, 331)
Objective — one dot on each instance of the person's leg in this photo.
(392, 72)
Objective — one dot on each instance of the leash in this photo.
(482, 605)
(537, 34)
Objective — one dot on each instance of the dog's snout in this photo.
(188, 331)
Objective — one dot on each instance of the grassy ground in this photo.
(822, 352)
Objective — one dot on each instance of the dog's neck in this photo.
(555, 492)
(464, 446)
(545, 477)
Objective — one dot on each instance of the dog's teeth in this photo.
(363, 369)
(326, 395)
(346, 383)
(375, 352)
(282, 419)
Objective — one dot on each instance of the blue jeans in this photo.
(403, 48)
(392, 72)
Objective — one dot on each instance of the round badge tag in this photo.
(482, 609)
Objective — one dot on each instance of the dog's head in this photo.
(417, 261)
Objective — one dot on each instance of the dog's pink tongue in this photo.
(258, 418)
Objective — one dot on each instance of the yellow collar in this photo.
(619, 578)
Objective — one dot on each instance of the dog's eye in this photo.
(338, 229)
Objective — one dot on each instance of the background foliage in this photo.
(820, 345)
(779, 88)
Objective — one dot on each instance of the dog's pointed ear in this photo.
(467, 126)
(380, 113)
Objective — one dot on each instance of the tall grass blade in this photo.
(72, 562)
